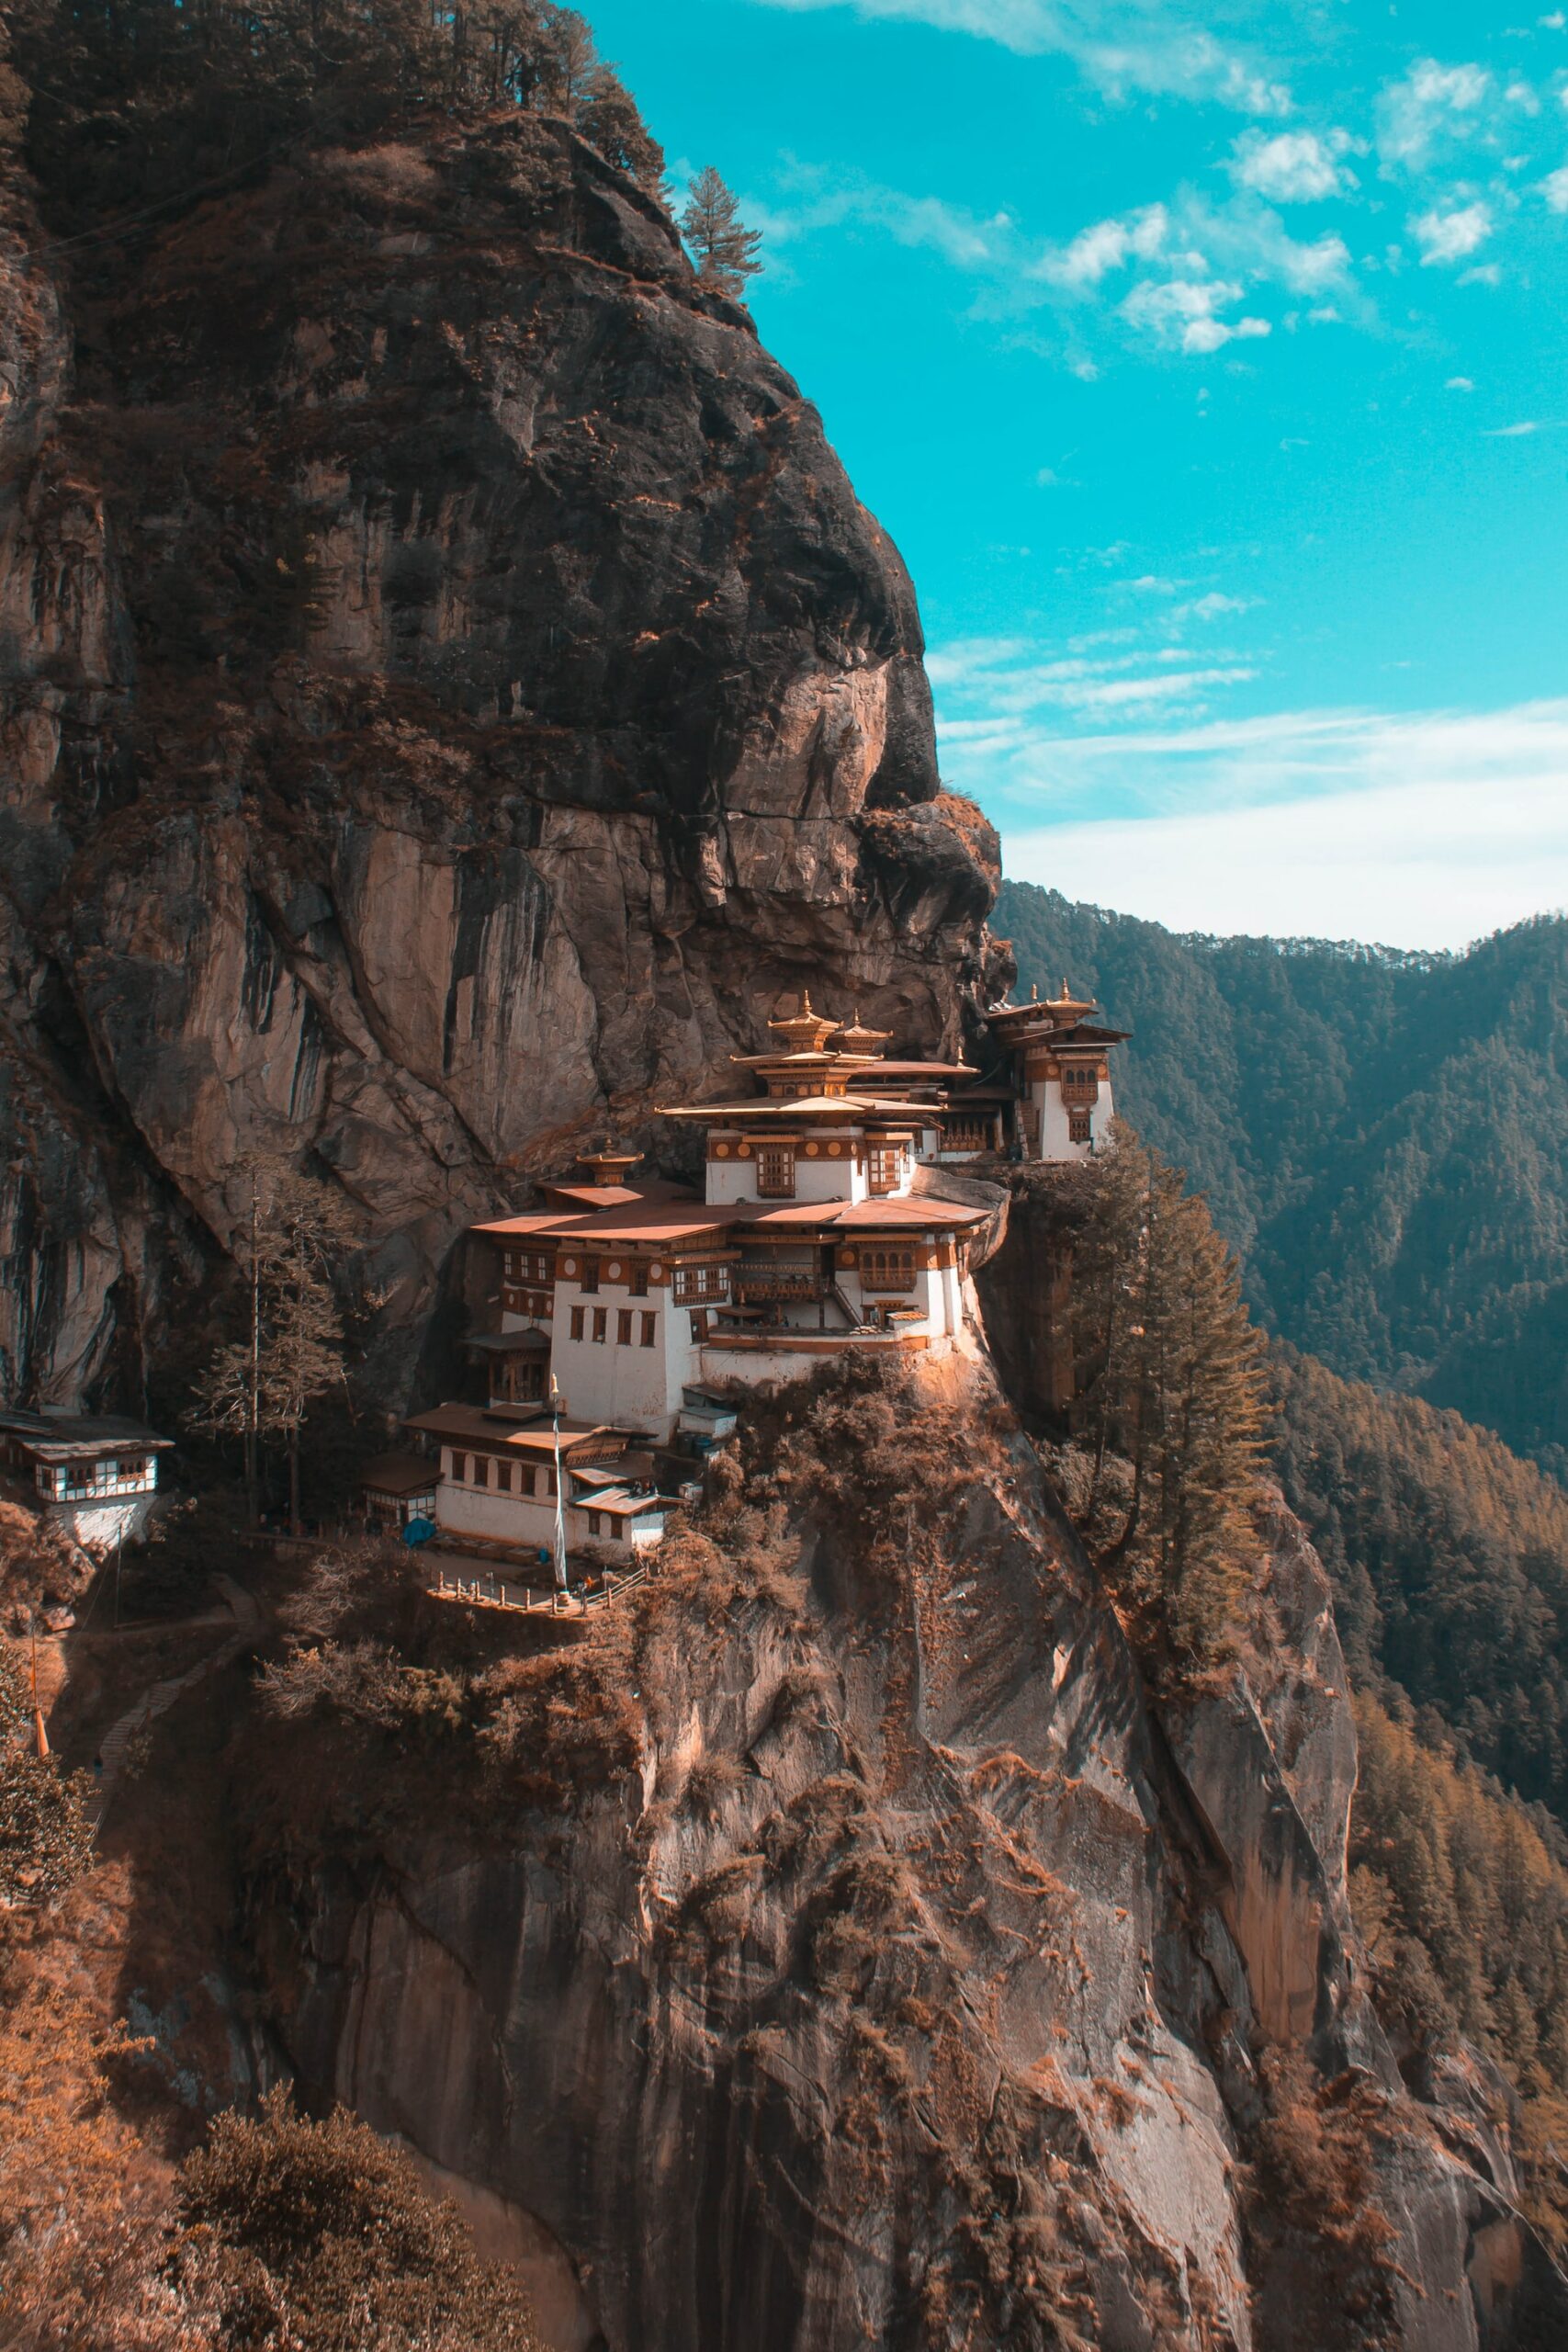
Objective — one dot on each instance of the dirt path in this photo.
(113, 1748)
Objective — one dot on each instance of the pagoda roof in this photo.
(805, 1028)
(935, 1072)
(851, 1107)
(908, 1212)
(652, 1222)
(619, 1196)
(725, 1216)
(1087, 1033)
(471, 1425)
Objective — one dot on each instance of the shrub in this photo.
(321, 2237)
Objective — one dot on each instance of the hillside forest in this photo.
(1382, 1136)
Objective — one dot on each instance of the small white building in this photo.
(1061, 1074)
(94, 1473)
(498, 1470)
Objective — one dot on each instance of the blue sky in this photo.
(1208, 366)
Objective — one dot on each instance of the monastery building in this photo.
(627, 1307)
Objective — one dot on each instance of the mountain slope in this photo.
(1384, 1136)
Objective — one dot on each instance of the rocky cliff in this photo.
(448, 691)
(856, 1955)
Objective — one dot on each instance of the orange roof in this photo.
(912, 1212)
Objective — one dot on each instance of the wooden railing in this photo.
(498, 1593)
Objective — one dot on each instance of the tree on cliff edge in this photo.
(725, 251)
(1172, 1403)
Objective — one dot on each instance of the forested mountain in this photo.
(1384, 1136)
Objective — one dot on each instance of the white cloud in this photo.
(1292, 167)
(1447, 237)
(1425, 830)
(1105, 246)
(1428, 104)
(1181, 313)
(1555, 23)
(1215, 607)
(1512, 432)
(1554, 187)
(1459, 384)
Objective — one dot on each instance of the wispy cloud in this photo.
(1425, 830)
(1123, 47)
(1447, 237)
(1293, 167)
(1428, 107)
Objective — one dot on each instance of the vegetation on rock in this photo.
(44, 1837)
(140, 110)
(1384, 1136)
(1171, 1410)
(319, 2236)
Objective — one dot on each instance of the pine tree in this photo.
(1171, 1401)
(725, 251)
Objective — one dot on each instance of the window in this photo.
(481, 1469)
(600, 1324)
(577, 1322)
(700, 1281)
(593, 1523)
(887, 1269)
(1080, 1082)
(884, 1166)
(776, 1171)
(624, 1326)
(460, 1466)
(527, 1478)
(650, 1327)
(503, 1476)
(1080, 1128)
(637, 1285)
(589, 1276)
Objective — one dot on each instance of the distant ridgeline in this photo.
(1384, 1137)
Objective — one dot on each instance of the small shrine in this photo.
(94, 1473)
(1059, 1067)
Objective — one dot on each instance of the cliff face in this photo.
(907, 1980)
(448, 690)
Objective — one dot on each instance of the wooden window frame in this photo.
(623, 1326)
(590, 1283)
(481, 1469)
(459, 1467)
(600, 1326)
(884, 1166)
(771, 1186)
(649, 1329)
(578, 1322)
(637, 1282)
(886, 1266)
(503, 1477)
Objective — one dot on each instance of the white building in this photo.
(96, 1474)
(641, 1304)
(811, 1237)
(499, 1469)
(1061, 1074)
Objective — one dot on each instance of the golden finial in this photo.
(806, 1001)
(1033, 992)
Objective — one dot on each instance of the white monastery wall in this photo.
(1055, 1142)
(99, 1526)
